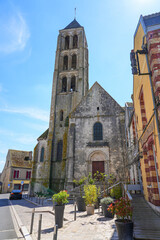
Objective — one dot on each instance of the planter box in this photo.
(81, 204)
(124, 229)
(59, 212)
(90, 210)
(106, 213)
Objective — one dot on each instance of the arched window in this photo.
(75, 41)
(61, 115)
(64, 84)
(67, 42)
(59, 150)
(74, 61)
(97, 131)
(73, 84)
(42, 155)
(65, 63)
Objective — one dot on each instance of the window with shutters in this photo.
(16, 174)
(59, 150)
(28, 174)
(97, 131)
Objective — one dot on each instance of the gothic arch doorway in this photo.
(97, 162)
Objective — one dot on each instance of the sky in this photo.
(28, 39)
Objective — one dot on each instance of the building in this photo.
(86, 129)
(17, 171)
(145, 61)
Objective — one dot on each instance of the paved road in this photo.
(7, 230)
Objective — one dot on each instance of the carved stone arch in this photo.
(98, 161)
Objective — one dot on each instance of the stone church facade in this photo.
(86, 128)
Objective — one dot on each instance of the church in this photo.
(86, 129)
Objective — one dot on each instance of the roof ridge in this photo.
(151, 15)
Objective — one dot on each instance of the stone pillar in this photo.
(71, 42)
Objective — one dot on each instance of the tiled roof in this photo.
(73, 24)
(152, 19)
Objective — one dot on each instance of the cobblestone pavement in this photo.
(94, 227)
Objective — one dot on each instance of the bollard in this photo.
(74, 209)
(55, 232)
(42, 201)
(39, 227)
(32, 220)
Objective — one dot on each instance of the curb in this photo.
(22, 228)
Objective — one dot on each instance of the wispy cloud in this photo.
(14, 33)
(29, 112)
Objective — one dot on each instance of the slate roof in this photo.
(152, 19)
(73, 24)
(148, 21)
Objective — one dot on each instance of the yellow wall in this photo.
(138, 82)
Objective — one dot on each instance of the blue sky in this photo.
(28, 38)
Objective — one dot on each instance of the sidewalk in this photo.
(94, 227)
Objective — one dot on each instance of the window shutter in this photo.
(17, 174)
(14, 175)
(27, 175)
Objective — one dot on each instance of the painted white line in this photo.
(7, 230)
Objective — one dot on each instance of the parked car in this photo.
(15, 194)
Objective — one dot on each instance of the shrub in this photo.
(122, 208)
(60, 198)
(107, 200)
(79, 183)
(90, 192)
(116, 192)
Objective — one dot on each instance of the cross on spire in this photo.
(75, 13)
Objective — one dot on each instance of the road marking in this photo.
(7, 230)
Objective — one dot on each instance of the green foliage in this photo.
(122, 208)
(60, 198)
(90, 192)
(107, 200)
(79, 183)
(39, 194)
(90, 179)
(116, 192)
(98, 192)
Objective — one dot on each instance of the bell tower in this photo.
(70, 85)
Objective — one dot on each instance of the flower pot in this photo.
(106, 213)
(81, 204)
(124, 229)
(90, 210)
(59, 212)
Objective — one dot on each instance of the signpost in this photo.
(22, 182)
(8, 185)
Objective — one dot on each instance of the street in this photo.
(7, 230)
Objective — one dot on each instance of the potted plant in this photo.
(105, 202)
(90, 196)
(123, 210)
(60, 199)
(80, 200)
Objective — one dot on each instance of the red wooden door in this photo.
(97, 166)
